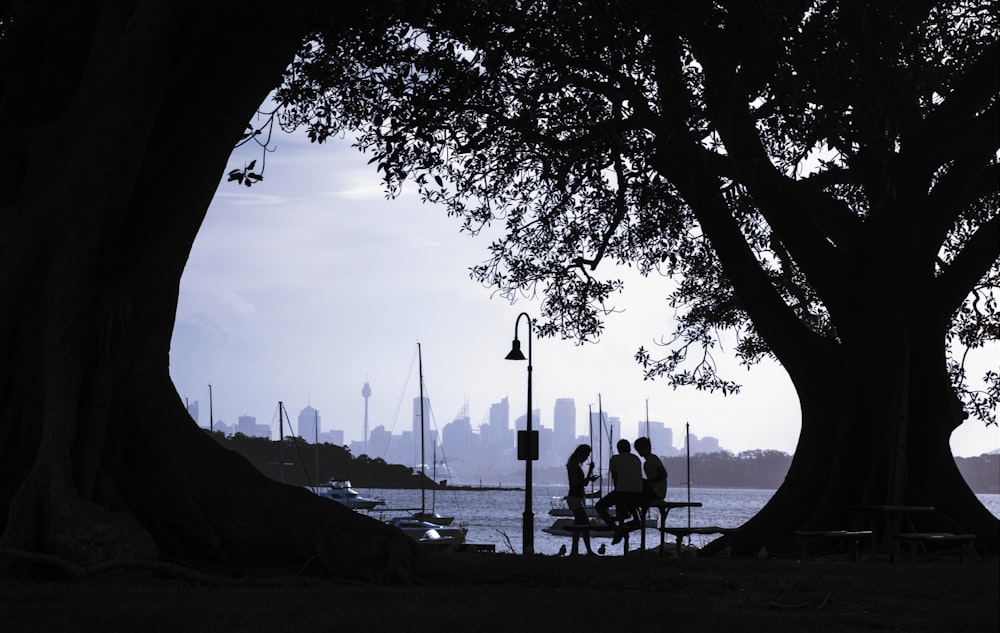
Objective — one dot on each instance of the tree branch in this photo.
(968, 267)
(684, 166)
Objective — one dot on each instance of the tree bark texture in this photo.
(118, 119)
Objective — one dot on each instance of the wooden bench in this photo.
(918, 541)
(664, 507)
(680, 532)
(852, 537)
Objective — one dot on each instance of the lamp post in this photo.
(527, 443)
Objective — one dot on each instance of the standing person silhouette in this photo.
(654, 486)
(577, 493)
(626, 472)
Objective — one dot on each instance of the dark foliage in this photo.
(335, 462)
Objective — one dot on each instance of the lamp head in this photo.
(515, 351)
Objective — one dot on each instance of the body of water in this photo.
(495, 516)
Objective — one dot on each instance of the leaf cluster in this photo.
(756, 152)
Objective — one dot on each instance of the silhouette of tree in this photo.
(817, 178)
(117, 120)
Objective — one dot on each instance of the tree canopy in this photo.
(787, 138)
(819, 177)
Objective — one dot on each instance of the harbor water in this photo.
(495, 516)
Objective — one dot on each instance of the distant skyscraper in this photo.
(499, 425)
(456, 436)
(378, 442)
(192, 409)
(564, 426)
(308, 425)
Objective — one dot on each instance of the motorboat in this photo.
(340, 490)
(427, 533)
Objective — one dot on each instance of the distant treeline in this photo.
(982, 473)
(335, 462)
(766, 469)
(763, 469)
(749, 469)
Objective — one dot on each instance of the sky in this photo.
(310, 283)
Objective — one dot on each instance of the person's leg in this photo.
(602, 505)
(579, 519)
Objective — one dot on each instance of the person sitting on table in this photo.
(626, 473)
(654, 486)
(577, 492)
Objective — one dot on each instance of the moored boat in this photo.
(432, 517)
(340, 490)
(427, 533)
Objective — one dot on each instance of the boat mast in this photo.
(211, 416)
(647, 418)
(590, 425)
(281, 441)
(316, 441)
(423, 466)
(600, 441)
(687, 442)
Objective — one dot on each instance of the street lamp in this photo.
(527, 443)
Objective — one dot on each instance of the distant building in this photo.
(247, 425)
(661, 437)
(378, 442)
(706, 444)
(309, 425)
(192, 409)
(499, 438)
(564, 426)
(332, 437)
(456, 436)
(221, 427)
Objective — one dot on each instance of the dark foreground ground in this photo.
(467, 592)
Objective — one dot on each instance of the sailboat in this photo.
(431, 516)
(423, 526)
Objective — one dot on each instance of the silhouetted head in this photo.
(580, 454)
(624, 446)
(642, 446)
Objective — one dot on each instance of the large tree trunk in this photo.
(118, 120)
(877, 414)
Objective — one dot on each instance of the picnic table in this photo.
(886, 522)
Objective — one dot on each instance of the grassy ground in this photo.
(500, 592)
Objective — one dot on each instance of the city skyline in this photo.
(462, 452)
(619, 428)
(310, 283)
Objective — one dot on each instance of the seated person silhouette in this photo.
(626, 473)
(654, 486)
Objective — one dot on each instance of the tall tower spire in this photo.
(366, 393)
